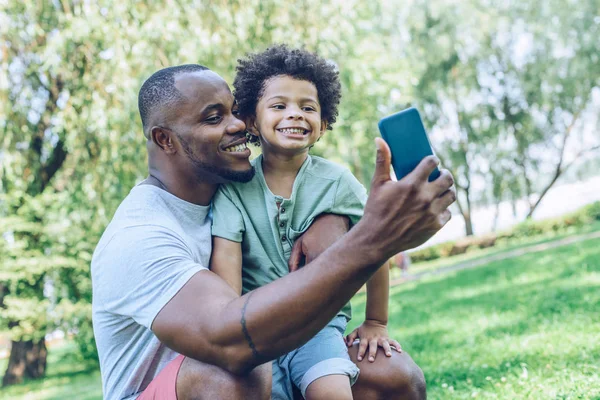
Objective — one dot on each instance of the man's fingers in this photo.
(362, 349)
(444, 217)
(444, 201)
(382, 162)
(295, 256)
(444, 182)
(372, 350)
(424, 169)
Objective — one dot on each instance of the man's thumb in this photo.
(382, 162)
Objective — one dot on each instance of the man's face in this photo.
(212, 138)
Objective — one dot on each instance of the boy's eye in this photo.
(308, 108)
(278, 106)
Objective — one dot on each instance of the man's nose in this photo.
(236, 125)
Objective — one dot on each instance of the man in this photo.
(166, 327)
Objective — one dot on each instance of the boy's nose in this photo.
(295, 115)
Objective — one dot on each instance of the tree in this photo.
(71, 143)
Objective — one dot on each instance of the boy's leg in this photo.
(185, 378)
(324, 361)
(394, 378)
(334, 387)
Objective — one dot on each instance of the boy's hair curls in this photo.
(256, 69)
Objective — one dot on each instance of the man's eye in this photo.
(235, 112)
(213, 120)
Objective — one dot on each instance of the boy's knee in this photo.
(197, 381)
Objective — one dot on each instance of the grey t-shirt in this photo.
(154, 244)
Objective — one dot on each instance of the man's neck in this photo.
(190, 190)
(280, 171)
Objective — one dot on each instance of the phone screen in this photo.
(405, 135)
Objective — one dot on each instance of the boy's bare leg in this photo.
(198, 381)
(334, 387)
(396, 377)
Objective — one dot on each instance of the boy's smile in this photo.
(288, 116)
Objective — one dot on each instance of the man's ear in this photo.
(251, 126)
(163, 138)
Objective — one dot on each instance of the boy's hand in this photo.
(322, 233)
(372, 334)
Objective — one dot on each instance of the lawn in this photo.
(524, 328)
(501, 247)
(67, 378)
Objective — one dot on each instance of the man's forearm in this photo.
(378, 290)
(270, 324)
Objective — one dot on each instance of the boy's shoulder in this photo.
(327, 169)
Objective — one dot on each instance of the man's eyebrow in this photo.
(211, 107)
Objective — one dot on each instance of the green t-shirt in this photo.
(267, 225)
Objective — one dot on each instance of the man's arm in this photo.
(208, 322)
(226, 262)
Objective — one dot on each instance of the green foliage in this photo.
(526, 230)
(521, 328)
(71, 145)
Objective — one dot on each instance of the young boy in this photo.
(288, 98)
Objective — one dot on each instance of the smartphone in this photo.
(405, 134)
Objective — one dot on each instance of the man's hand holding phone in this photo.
(404, 214)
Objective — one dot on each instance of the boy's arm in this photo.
(226, 261)
(373, 332)
(378, 291)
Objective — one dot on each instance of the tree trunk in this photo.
(468, 223)
(27, 360)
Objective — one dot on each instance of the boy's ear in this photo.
(324, 126)
(251, 126)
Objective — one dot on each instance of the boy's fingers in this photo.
(295, 256)
(351, 337)
(362, 349)
(386, 348)
(382, 162)
(372, 350)
(396, 346)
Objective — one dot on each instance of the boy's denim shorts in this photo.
(325, 354)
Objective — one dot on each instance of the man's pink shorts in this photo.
(164, 386)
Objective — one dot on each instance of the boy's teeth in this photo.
(293, 130)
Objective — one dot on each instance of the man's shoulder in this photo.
(145, 212)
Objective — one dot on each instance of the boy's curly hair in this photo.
(256, 69)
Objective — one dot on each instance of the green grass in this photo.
(472, 255)
(523, 328)
(67, 378)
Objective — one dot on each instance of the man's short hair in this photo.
(256, 69)
(159, 91)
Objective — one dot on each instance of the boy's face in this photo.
(288, 116)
